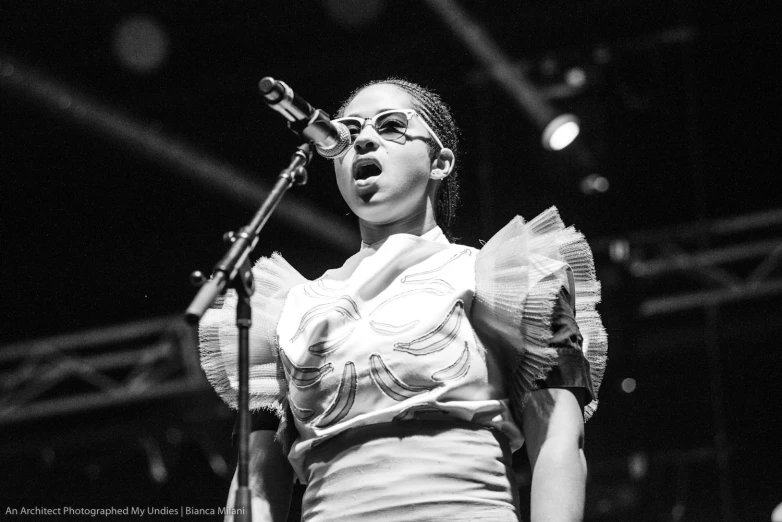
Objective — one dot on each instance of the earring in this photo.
(438, 174)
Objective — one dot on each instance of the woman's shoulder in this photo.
(273, 275)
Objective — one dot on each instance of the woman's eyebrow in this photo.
(355, 115)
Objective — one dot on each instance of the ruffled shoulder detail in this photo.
(219, 342)
(519, 273)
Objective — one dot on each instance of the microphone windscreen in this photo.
(342, 145)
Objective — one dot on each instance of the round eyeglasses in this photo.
(391, 124)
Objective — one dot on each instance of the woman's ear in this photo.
(442, 164)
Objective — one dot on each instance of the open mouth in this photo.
(366, 170)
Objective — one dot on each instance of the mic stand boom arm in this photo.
(234, 271)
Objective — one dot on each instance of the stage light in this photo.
(619, 250)
(140, 44)
(355, 14)
(560, 132)
(628, 385)
(594, 184)
(576, 77)
(638, 466)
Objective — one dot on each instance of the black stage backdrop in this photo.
(122, 121)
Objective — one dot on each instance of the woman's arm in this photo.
(271, 480)
(553, 427)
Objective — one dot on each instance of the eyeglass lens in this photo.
(389, 125)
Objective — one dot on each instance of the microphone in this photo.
(331, 139)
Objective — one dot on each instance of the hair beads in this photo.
(438, 116)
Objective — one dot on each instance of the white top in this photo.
(410, 328)
(388, 337)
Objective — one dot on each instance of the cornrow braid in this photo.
(437, 115)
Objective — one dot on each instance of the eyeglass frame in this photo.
(409, 114)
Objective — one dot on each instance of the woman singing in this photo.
(404, 379)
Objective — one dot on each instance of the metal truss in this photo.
(97, 369)
(728, 260)
(705, 266)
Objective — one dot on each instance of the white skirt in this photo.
(412, 471)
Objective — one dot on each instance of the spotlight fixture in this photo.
(560, 132)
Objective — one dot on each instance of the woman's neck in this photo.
(416, 225)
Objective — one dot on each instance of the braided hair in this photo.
(438, 116)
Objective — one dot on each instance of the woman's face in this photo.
(385, 181)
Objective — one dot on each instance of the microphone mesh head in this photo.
(342, 145)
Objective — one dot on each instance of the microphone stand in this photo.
(234, 271)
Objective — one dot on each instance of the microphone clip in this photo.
(316, 129)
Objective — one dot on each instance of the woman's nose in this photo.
(367, 139)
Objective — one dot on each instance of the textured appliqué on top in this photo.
(407, 340)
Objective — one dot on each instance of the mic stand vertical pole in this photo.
(243, 499)
(234, 270)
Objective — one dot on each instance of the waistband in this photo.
(412, 471)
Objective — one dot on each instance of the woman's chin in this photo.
(377, 209)
(370, 205)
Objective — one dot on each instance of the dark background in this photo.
(677, 115)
